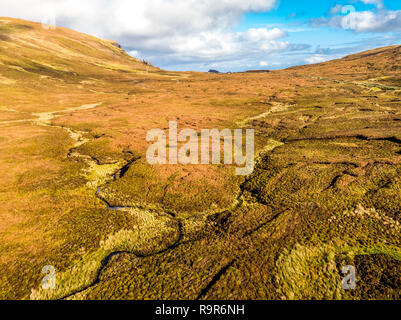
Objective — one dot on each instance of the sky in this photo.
(226, 35)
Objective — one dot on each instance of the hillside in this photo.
(62, 52)
(79, 195)
(33, 58)
(361, 66)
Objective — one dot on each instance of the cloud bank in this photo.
(168, 32)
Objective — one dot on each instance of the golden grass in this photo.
(327, 139)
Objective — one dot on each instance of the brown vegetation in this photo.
(74, 113)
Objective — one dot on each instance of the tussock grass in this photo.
(308, 273)
(328, 150)
(153, 233)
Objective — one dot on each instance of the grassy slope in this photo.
(325, 192)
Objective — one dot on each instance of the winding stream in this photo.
(99, 178)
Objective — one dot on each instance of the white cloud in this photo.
(378, 20)
(261, 34)
(165, 31)
(134, 53)
(316, 59)
(263, 63)
(369, 21)
(378, 3)
(336, 9)
(339, 8)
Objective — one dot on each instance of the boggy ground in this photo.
(78, 194)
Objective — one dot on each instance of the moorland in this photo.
(77, 192)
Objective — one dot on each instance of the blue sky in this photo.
(227, 35)
(325, 42)
(309, 41)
